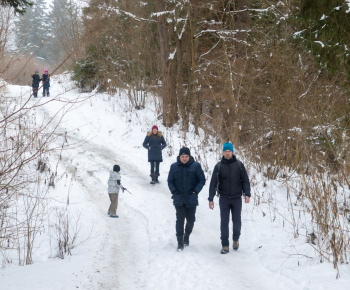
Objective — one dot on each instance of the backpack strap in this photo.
(240, 164)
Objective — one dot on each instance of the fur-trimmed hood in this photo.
(159, 134)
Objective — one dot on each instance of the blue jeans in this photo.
(227, 205)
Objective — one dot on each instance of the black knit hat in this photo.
(116, 168)
(185, 150)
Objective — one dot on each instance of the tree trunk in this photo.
(242, 25)
(168, 68)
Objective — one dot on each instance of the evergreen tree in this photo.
(324, 29)
(64, 20)
(33, 31)
(20, 6)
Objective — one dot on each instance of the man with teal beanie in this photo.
(230, 180)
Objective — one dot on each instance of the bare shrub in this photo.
(26, 174)
(67, 228)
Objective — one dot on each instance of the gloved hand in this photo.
(175, 192)
(123, 188)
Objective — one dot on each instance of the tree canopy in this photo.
(19, 5)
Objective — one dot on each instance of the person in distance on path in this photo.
(35, 84)
(185, 180)
(230, 180)
(46, 83)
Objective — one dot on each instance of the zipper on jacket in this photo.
(182, 173)
(231, 177)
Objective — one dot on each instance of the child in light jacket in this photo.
(114, 186)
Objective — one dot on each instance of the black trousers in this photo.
(155, 167)
(227, 205)
(182, 213)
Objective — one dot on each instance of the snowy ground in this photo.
(138, 250)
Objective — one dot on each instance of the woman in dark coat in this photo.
(154, 143)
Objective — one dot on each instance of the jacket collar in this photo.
(233, 159)
(187, 164)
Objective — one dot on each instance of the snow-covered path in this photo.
(138, 250)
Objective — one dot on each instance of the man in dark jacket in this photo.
(35, 83)
(230, 178)
(186, 179)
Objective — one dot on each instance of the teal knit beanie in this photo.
(227, 146)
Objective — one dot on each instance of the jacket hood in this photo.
(159, 134)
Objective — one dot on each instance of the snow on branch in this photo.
(161, 13)
(251, 10)
(205, 31)
(220, 32)
(172, 55)
(210, 49)
(136, 17)
(119, 11)
(184, 27)
(315, 78)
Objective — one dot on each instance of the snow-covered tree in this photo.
(19, 6)
(65, 26)
(324, 29)
(33, 32)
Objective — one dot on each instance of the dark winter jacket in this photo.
(185, 181)
(154, 144)
(233, 179)
(36, 80)
(46, 80)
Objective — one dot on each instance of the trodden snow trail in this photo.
(138, 249)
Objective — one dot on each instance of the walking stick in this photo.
(123, 189)
(128, 191)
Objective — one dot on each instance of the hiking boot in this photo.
(186, 240)
(180, 243)
(156, 177)
(235, 245)
(153, 176)
(114, 216)
(225, 250)
(180, 248)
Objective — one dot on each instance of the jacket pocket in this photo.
(177, 199)
(192, 198)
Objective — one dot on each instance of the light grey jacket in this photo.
(113, 186)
